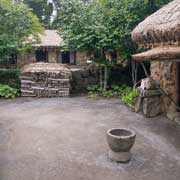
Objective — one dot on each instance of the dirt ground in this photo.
(64, 139)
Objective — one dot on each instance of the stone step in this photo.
(61, 80)
(25, 86)
(38, 88)
(63, 93)
(50, 89)
(64, 89)
(27, 93)
(26, 78)
(25, 82)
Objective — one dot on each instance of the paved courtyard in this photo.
(64, 139)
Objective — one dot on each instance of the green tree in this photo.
(17, 25)
(154, 5)
(43, 9)
(81, 25)
(101, 26)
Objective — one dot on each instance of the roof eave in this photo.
(159, 54)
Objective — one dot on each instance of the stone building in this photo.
(159, 34)
(49, 51)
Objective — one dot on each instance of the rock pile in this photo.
(45, 80)
(149, 101)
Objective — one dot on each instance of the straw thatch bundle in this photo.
(161, 28)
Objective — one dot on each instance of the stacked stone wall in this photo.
(167, 74)
(83, 77)
(45, 80)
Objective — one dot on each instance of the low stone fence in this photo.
(82, 77)
(56, 80)
(45, 80)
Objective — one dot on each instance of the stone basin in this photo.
(120, 143)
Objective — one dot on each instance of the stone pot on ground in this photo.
(120, 142)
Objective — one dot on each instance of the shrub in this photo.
(125, 93)
(10, 77)
(7, 91)
(129, 97)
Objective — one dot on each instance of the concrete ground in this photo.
(64, 139)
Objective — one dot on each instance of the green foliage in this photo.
(10, 77)
(125, 93)
(80, 24)
(129, 96)
(7, 91)
(94, 88)
(121, 17)
(43, 9)
(17, 24)
(101, 27)
(102, 24)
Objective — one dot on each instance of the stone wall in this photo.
(81, 58)
(167, 74)
(82, 77)
(45, 80)
(52, 57)
(26, 58)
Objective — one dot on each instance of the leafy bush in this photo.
(94, 91)
(10, 77)
(125, 93)
(7, 91)
(129, 97)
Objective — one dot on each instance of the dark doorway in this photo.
(41, 56)
(65, 57)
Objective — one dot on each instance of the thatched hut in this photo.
(160, 34)
(49, 51)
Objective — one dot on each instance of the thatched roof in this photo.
(159, 53)
(50, 38)
(161, 28)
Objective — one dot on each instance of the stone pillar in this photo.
(72, 57)
(151, 105)
(52, 56)
(81, 58)
(149, 101)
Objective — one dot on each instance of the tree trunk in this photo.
(134, 73)
(100, 76)
(105, 77)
